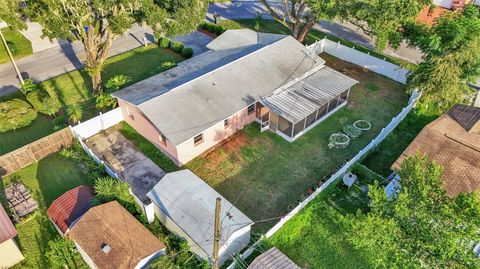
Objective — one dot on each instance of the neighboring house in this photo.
(455, 4)
(108, 236)
(9, 252)
(453, 141)
(186, 206)
(273, 259)
(244, 77)
(68, 208)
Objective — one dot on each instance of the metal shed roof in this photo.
(190, 203)
(303, 97)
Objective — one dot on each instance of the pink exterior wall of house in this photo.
(142, 125)
(186, 151)
(214, 135)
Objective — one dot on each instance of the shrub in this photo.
(164, 42)
(61, 253)
(176, 46)
(187, 52)
(74, 113)
(13, 48)
(168, 65)
(109, 189)
(105, 101)
(117, 82)
(42, 102)
(28, 86)
(15, 114)
(218, 29)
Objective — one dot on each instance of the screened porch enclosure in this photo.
(296, 109)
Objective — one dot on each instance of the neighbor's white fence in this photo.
(102, 122)
(374, 143)
(365, 60)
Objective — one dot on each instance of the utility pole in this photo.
(216, 237)
(11, 58)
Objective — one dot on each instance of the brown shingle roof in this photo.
(273, 259)
(70, 206)
(466, 116)
(112, 224)
(450, 145)
(7, 230)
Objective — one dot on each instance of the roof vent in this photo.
(106, 248)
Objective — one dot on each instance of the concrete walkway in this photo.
(250, 9)
(130, 164)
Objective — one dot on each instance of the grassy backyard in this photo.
(270, 26)
(265, 176)
(47, 180)
(397, 141)
(19, 45)
(74, 88)
(317, 237)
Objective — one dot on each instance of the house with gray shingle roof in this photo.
(244, 77)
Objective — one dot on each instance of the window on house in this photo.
(226, 123)
(251, 109)
(198, 139)
(162, 139)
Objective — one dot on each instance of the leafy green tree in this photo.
(452, 57)
(378, 18)
(421, 226)
(74, 112)
(383, 19)
(10, 13)
(96, 23)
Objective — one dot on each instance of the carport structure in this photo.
(299, 106)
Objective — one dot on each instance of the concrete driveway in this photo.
(123, 157)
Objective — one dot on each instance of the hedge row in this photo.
(212, 28)
(176, 46)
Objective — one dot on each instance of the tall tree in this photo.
(421, 226)
(301, 15)
(451, 57)
(383, 18)
(379, 18)
(96, 23)
(10, 13)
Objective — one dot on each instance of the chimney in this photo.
(105, 248)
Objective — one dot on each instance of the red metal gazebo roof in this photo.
(70, 206)
(7, 230)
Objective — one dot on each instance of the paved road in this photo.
(249, 9)
(67, 57)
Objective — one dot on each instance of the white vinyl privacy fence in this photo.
(374, 143)
(359, 58)
(93, 126)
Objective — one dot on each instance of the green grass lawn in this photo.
(75, 88)
(47, 180)
(265, 176)
(381, 158)
(317, 236)
(22, 46)
(270, 26)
